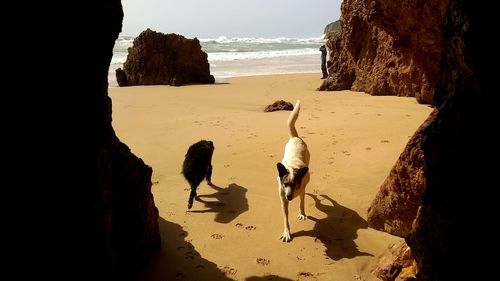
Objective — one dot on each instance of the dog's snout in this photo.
(288, 193)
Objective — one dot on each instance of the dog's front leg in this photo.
(302, 215)
(284, 208)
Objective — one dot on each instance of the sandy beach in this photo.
(354, 139)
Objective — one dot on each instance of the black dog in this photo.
(198, 166)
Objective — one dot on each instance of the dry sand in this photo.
(354, 140)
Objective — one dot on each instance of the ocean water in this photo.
(230, 57)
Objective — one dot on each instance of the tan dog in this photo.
(293, 172)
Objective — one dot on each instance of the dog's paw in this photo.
(190, 205)
(302, 217)
(286, 236)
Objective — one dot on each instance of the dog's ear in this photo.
(302, 172)
(281, 169)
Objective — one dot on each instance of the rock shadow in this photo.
(229, 203)
(178, 260)
(338, 230)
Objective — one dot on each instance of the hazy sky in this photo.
(230, 18)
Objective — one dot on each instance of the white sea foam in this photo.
(230, 56)
(118, 58)
(254, 40)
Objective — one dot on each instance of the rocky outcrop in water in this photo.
(83, 203)
(332, 27)
(452, 238)
(164, 59)
(387, 48)
(395, 205)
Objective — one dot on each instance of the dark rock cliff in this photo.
(387, 48)
(456, 66)
(451, 238)
(82, 207)
(164, 59)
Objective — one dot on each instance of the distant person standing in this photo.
(323, 61)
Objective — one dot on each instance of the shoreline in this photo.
(354, 140)
(304, 64)
(223, 79)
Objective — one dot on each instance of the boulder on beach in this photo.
(164, 59)
(279, 105)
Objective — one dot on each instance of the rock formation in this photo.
(398, 264)
(395, 205)
(453, 237)
(164, 59)
(449, 236)
(387, 48)
(332, 27)
(82, 202)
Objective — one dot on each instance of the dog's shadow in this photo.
(229, 204)
(338, 230)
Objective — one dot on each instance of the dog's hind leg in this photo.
(209, 175)
(192, 195)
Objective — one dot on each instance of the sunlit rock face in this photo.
(395, 206)
(387, 48)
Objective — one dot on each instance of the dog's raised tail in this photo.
(292, 118)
